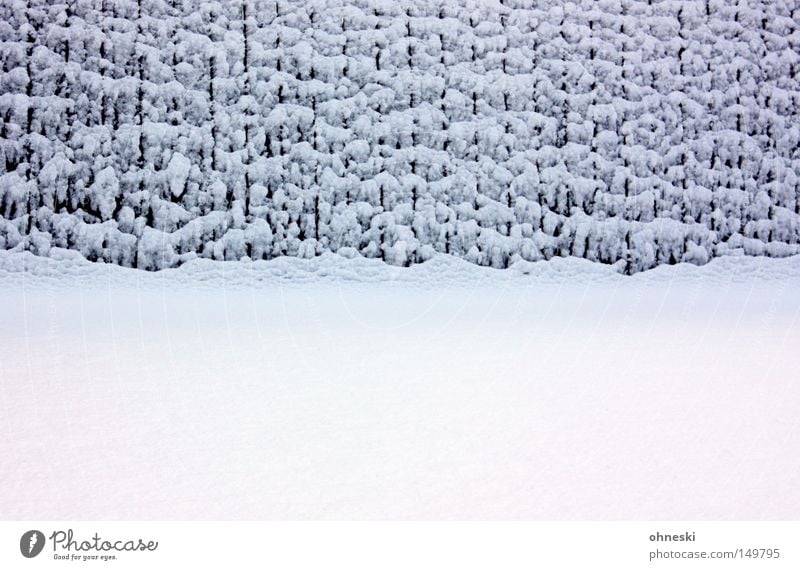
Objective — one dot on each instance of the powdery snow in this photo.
(341, 388)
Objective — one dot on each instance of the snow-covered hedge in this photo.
(634, 133)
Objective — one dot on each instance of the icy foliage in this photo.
(634, 133)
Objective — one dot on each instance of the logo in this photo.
(31, 543)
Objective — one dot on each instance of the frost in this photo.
(177, 173)
(626, 132)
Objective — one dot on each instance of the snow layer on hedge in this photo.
(632, 133)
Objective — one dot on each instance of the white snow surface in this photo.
(337, 388)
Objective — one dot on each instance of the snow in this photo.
(344, 388)
(177, 173)
(668, 132)
(287, 260)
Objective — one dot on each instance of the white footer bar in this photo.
(400, 545)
